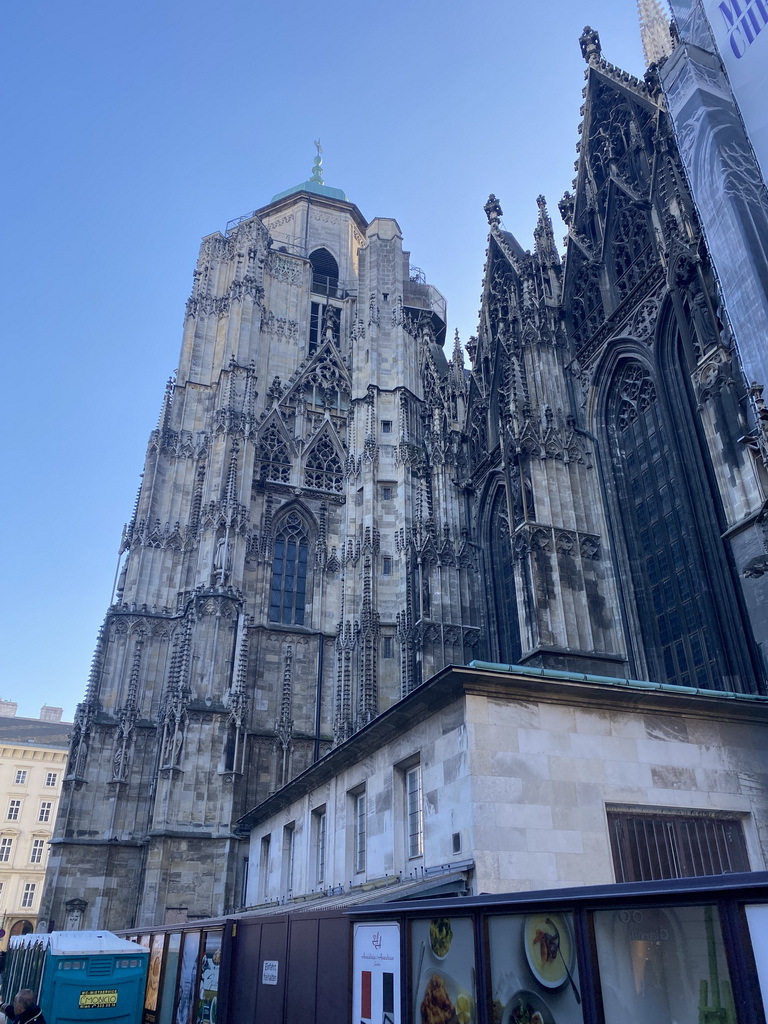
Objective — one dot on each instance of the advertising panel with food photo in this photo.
(443, 982)
(534, 975)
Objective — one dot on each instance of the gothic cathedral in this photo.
(332, 509)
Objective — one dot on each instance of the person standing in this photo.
(24, 1009)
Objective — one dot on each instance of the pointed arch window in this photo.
(503, 594)
(678, 626)
(272, 453)
(323, 467)
(288, 593)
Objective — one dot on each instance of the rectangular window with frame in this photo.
(46, 807)
(414, 813)
(14, 807)
(387, 492)
(359, 808)
(51, 778)
(289, 857)
(6, 845)
(28, 896)
(264, 867)
(386, 565)
(36, 853)
(320, 830)
(387, 647)
(648, 846)
(386, 426)
(244, 884)
(21, 777)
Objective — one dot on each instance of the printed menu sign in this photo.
(376, 974)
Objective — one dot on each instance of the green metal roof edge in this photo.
(634, 684)
(316, 188)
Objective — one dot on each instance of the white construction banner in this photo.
(740, 28)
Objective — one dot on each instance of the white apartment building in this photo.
(33, 757)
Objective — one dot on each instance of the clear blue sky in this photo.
(132, 129)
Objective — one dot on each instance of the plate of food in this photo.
(440, 936)
(440, 999)
(549, 949)
(527, 1008)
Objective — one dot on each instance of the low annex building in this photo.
(497, 778)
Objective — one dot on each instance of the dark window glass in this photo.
(503, 590)
(665, 558)
(287, 598)
(325, 272)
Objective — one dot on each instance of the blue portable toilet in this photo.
(79, 976)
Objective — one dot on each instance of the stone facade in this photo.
(295, 562)
(332, 510)
(518, 774)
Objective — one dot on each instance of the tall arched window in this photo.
(325, 272)
(288, 594)
(504, 594)
(680, 632)
(324, 315)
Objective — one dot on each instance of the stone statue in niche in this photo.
(222, 558)
(174, 740)
(75, 910)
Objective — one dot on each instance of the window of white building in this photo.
(13, 810)
(359, 814)
(289, 857)
(28, 896)
(414, 813)
(648, 846)
(320, 831)
(264, 867)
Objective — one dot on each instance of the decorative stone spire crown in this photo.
(654, 30)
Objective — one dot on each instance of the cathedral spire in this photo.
(546, 247)
(654, 29)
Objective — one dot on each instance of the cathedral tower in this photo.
(294, 563)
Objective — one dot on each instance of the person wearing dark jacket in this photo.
(24, 1009)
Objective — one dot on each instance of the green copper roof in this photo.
(314, 184)
(316, 188)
